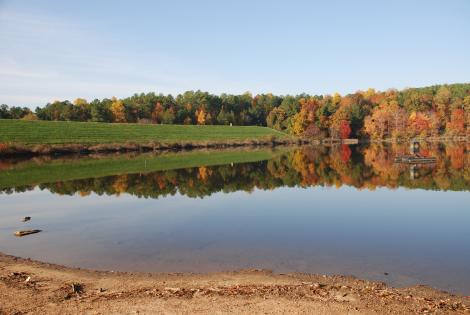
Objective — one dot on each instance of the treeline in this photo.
(430, 111)
(16, 112)
(368, 167)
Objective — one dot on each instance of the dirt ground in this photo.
(30, 287)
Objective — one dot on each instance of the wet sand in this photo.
(28, 287)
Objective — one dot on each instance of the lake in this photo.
(328, 210)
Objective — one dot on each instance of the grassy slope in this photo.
(61, 132)
(30, 173)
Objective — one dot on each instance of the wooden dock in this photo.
(340, 141)
(413, 159)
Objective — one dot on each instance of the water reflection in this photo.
(368, 167)
(341, 209)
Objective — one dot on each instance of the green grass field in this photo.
(33, 172)
(61, 132)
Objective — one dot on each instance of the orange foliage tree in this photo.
(157, 113)
(201, 116)
(387, 120)
(456, 125)
(419, 124)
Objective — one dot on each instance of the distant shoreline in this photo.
(63, 149)
(19, 149)
(19, 137)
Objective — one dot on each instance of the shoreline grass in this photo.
(47, 137)
(65, 132)
(37, 171)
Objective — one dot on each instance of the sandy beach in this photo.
(31, 287)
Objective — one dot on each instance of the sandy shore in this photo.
(30, 287)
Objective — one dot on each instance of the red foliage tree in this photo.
(344, 129)
(345, 152)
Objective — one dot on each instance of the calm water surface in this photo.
(340, 210)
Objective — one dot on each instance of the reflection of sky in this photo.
(416, 236)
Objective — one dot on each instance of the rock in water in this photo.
(26, 232)
(25, 219)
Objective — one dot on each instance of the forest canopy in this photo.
(429, 111)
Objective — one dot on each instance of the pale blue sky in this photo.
(67, 49)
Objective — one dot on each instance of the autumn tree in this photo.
(466, 105)
(345, 153)
(387, 120)
(30, 116)
(157, 113)
(340, 123)
(313, 131)
(80, 102)
(456, 125)
(429, 111)
(442, 101)
(201, 116)
(118, 110)
(419, 124)
(276, 119)
(344, 129)
(301, 121)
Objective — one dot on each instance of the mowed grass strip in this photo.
(64, 132)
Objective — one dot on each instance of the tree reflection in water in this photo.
(362, 167)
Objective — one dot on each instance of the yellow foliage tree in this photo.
(118, 110)
(120, 184)
(303, 119)
(336, 98)
(201, 117)
(80, 102)
(299, 123)
(30, 116)
(369, 93)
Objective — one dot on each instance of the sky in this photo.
(55, 50)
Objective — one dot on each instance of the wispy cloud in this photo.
(46, 58)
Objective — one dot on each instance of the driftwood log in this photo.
(26, 232)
